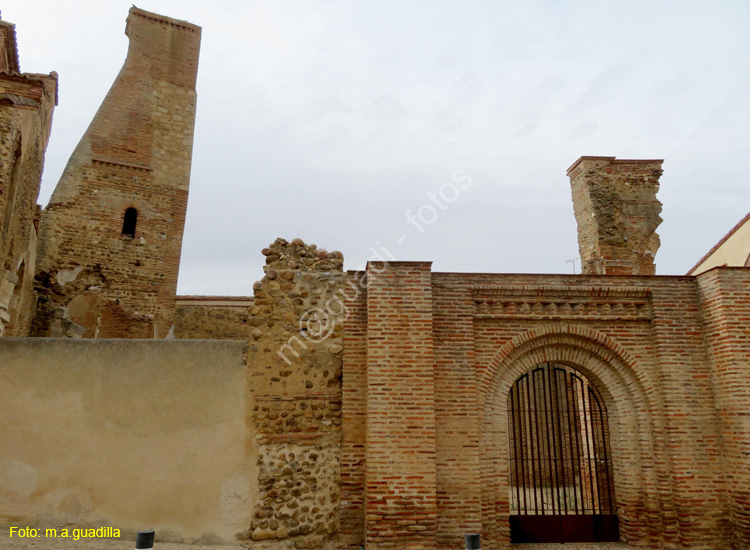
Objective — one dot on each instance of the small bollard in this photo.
(144, 540)
(473, 541)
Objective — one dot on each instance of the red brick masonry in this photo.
(429, 359)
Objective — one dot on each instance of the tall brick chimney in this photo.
(617, 213)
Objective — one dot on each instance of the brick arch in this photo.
(633, 421)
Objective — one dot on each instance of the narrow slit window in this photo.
(128, 224)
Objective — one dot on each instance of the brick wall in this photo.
(400, 477)
(135, 154)
(725, 303)
(354, 411)
(8, 48)
(428, 363)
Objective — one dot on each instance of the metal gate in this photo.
(561, 486)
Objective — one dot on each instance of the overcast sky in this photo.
(329, 120)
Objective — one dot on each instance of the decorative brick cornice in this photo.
(156, 18)
(121, 166)
(30, 86)
(585, 302)
(19, 101)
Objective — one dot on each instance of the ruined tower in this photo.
(111, 236)
(26, 105)
(617, 214)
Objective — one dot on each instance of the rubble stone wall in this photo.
(294, 360)
(213, 317)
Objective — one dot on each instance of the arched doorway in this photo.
(561, 485)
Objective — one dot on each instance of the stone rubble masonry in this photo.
(213, 317)
(27, 102)
(135, 154)
(617, 214)
(295, 384)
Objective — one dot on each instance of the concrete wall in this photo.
(129, 433)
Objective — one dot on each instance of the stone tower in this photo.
(26, 105)
(111, 236)
(617, 213)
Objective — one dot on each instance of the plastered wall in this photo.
(128, 433)
(733, 250)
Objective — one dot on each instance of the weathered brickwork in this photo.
(617, 213)
(375, 406)
(725, 306)
(135, 155)
(642, 345)
(213, 317)
(26, 105)
(354, 412)
(294, 361)
(400, 484)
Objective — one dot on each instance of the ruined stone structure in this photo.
(390, 408)
(111, 235)
(26, 105)
(617, 213)
(295, 382)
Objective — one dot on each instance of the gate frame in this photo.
(634, 425)
(603, 524)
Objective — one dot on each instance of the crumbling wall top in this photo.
(8, 48)
(296, 255)
(617, 213)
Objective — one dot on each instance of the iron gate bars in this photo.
(559, 445)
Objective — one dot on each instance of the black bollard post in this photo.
(473, 541)
(145, 540)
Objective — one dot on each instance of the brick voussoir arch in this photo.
(576, 335)
(623, 385)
